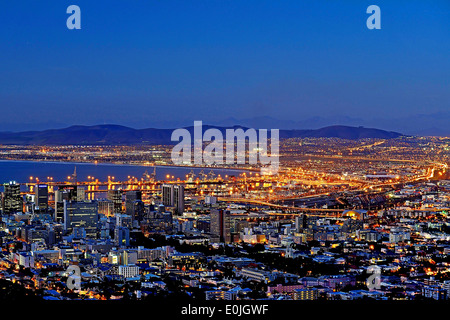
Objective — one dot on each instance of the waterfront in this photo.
(23, 171)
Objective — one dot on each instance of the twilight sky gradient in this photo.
(164, 63)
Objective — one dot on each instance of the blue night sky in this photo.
(162, 63)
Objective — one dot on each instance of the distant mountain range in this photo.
(432, 124)
(121, 135)
(420, 124)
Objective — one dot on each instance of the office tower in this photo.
(81, 193)
(300, 223)
(122, 236)
(178, 199)
(220, 226)
(41, 197)
(12, 201)
(70, 193)
(134, 206)
(106, 207)
(123, 220)
(116, 197)
(28, 202)
(173, 196)
(58, 230)
(133, 195)
(167, 194)
(216, 225)
(58, 215)
(310, 227)
(136, 210)
(204, 225)
(82, 214)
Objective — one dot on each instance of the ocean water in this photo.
(22, 171)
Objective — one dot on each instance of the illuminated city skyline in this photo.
(316, 171)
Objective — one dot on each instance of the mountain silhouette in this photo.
(110, 134)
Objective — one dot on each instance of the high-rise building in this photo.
(167, 194)
(116, 197)
(178, 199)
(82, 214)
(41, 197)
(133, 195)
(216, 225)
(81, 193)
(12, 201)
(59, 212)
(122, 236)
(68, 193)
(173, 196)
(106, 207)
(123, 220)
(300, 223)
(220, 225)
(134, 206)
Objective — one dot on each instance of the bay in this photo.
(28, 171)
